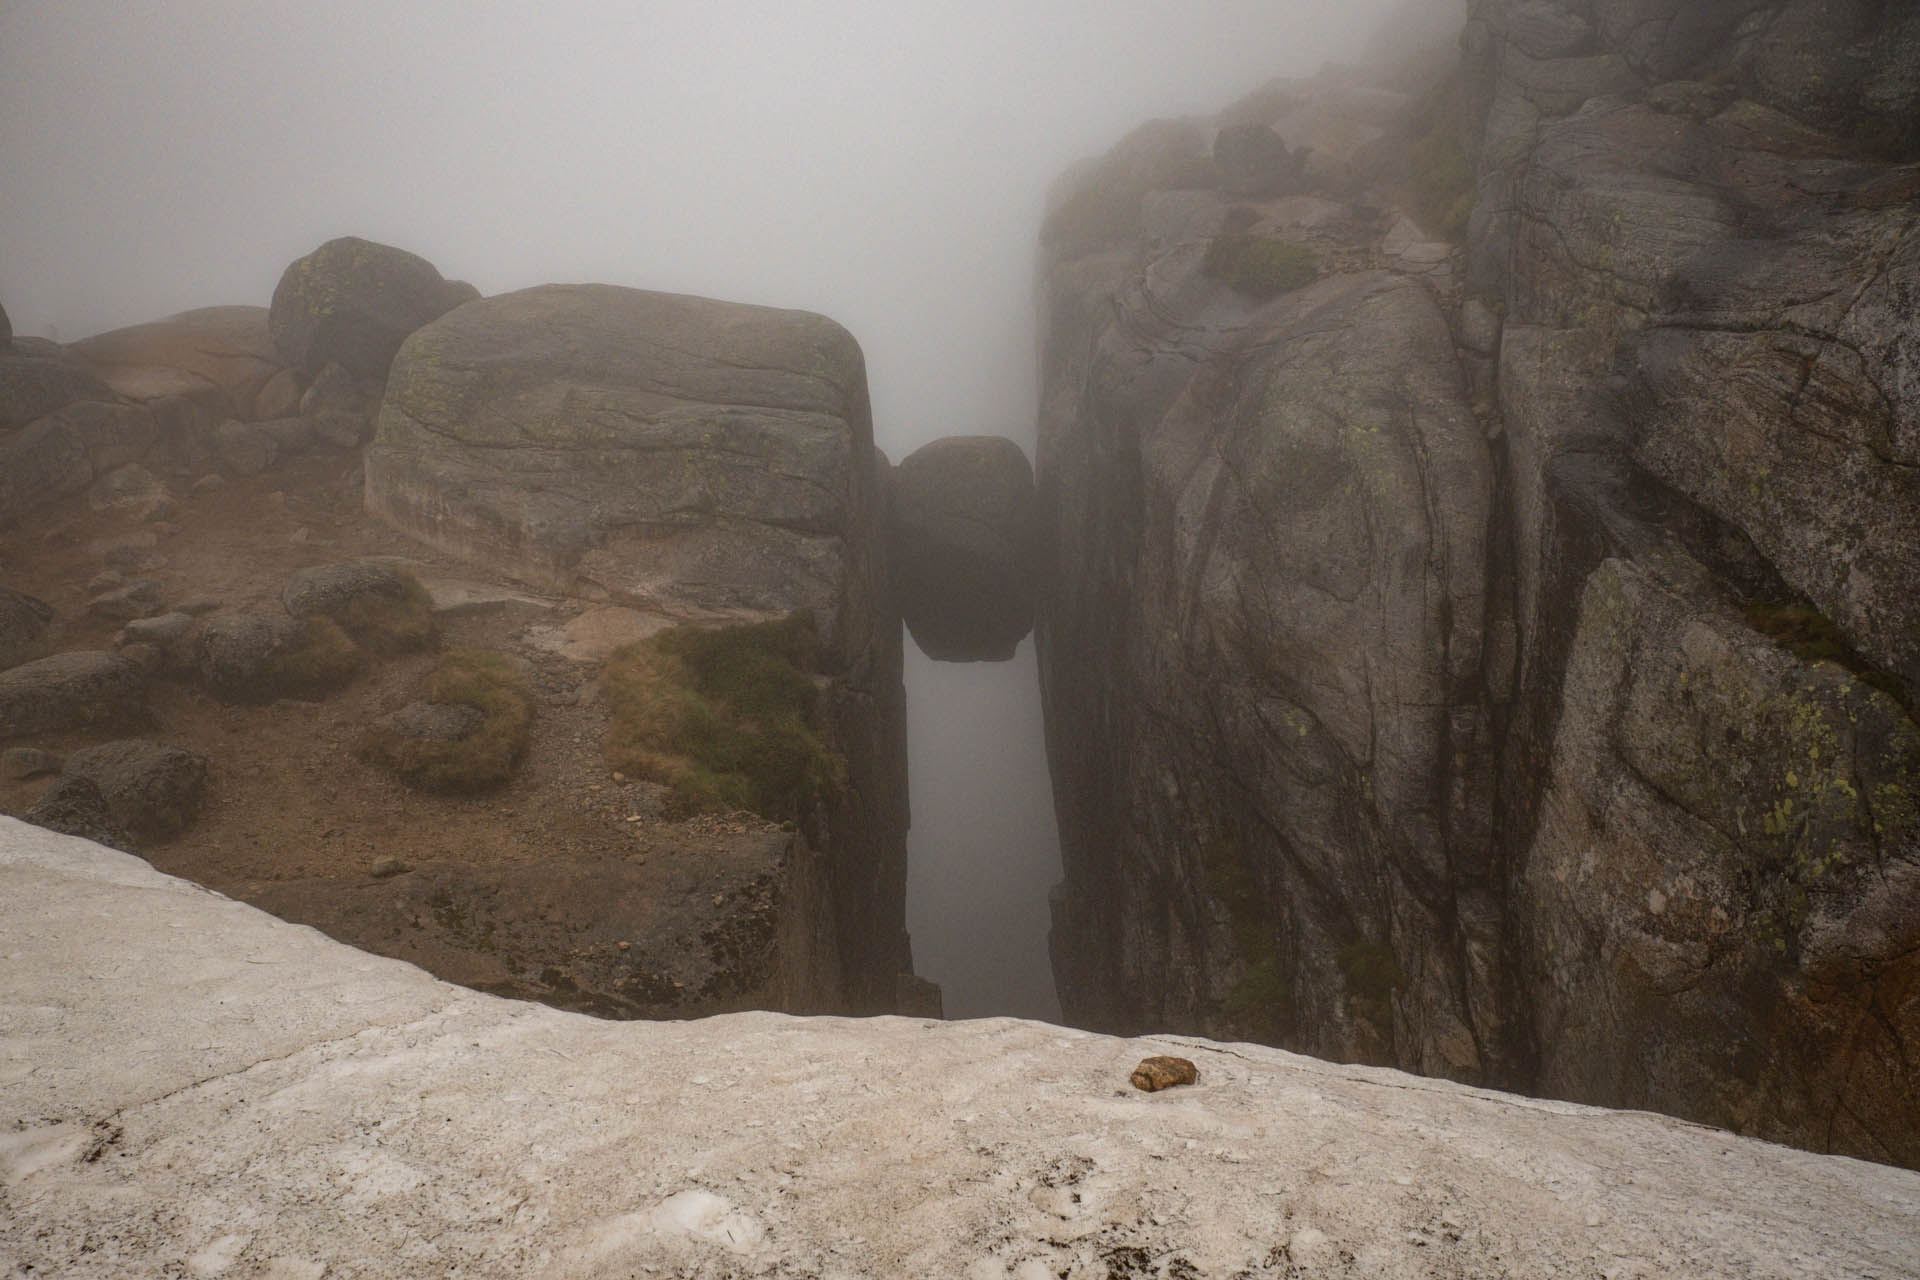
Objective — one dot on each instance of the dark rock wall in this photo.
(1497, 658)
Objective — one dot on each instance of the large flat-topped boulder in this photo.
(228, 348)
(190, 1086)
(693, 457)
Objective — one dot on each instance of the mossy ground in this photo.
(321, 661)
(726, 717)
(482, 760)
(389, 624)
(1261, 267)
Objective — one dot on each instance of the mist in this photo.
(883, 163)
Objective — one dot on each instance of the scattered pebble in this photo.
(383, 868)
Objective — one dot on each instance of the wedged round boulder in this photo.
(70, 690)
(152, 790)
(695, 457)
(353, 302)
(963, 547)
(229, 348)
(24, 620)
(76, 807)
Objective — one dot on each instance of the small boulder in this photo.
(964, 538)
(1254, 161)
(39, 464)
(280, 397)
(138, 599)
(152, 791)
(251, 659)
(435, 721)
(171, 634)
(20, 763)
(244, 449)
(70, 690)
(24, 620)
(381, 607)
(131, 490)
(330, 588)
(75, 807)
(353, 302)
(34, 383)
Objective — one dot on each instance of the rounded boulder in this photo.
(964, 547)
(352, 302)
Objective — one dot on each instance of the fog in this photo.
(885, 163)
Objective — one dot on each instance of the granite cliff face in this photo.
(1483, 553)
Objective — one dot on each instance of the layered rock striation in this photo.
(1480, 635)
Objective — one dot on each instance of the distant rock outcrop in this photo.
(964, 544)
(1484, 624)
(352, 302)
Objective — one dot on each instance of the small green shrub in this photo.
(322, 660)
(388, 624)
(1261, 267)
(726, 717)
(485, 758)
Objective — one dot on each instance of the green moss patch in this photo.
(1261, 267)
(392, 624)
(320, 661)
(726, 717)
(483, 759)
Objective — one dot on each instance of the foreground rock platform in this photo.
(191, 1087)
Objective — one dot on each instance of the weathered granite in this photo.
(191, 1085)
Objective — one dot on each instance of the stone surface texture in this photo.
(352, 302)
(1419, 654)
(191, 1086)
(70, 690)
(964, 547)
(690, 461)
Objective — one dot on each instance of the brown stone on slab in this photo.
(1157, 1073)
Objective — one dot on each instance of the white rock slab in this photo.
(190, 1087)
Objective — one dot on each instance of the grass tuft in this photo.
(726, 718)
(1261, 267)
(323, 660)
(482, 760)
(392, 624)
